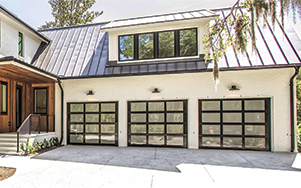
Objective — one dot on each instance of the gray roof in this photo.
(82, 51)
(275, 47)
(188, 15)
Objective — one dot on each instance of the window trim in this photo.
(156, 44)
(21, 51)
(3, 112)
(34, 101)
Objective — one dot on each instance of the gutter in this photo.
(62, 110)
(292, 111)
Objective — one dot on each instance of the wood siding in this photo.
(27, 104)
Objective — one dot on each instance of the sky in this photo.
(36, 12)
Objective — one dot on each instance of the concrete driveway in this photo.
(94, 166)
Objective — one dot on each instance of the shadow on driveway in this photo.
(167, 159)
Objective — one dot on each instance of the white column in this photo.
(193, 124)
(122, 123)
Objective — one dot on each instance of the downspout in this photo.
(292, 104)
(62, 110)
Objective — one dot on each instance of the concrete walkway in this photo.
(89, 166)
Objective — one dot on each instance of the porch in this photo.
(25, 92)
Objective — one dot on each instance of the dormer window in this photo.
(20, 44)
(164, 44)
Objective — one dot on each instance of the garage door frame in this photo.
(267, 124)
(84, 133)
(165, 134)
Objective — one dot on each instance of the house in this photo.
(144, 82)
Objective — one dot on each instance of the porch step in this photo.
(8, 143)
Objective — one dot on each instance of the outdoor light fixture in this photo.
(233, 88)
(156, 90)
(90, 93)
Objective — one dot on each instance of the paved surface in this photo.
(89, 166)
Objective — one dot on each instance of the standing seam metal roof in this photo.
(82, 51)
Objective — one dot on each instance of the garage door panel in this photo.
(157, 123)
(235, 123)
(93, 123)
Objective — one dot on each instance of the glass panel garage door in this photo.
(157, 123)
(93, 123)
(235, 123)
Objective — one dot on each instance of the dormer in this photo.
(174, 36)
(17, 38)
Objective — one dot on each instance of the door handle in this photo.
(9, 123)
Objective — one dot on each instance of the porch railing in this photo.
(30, 124)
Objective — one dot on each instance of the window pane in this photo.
(232, 105)
(126, 47)
(156, 140)
(232, 117)
(76, 118)
(254, 130)
(76, 138)
(156, 106)
(188, 42)
(156, 117)
(210, 117)
(156, 128)
(40, 101)
(3, 98)
(146, 46)
(92, 107)
(138, 128)
(138, 139)
(76, 128)
(92, 138)
(211, 129)
(107, 117)
(92, 128)
(211, 141)
(92, 117)
(141, 106)
(110, 128)
(166, 44)
(108, 107)
(254, 105)
(175, 140)
(76, 107)
(138, 117)
(254, 117)
(210, 105)
(232, 142)
(107, 139)
(174, 106)
(174, 129)
(232, 130)
(20, 44)
(174, 117)
(255, 142)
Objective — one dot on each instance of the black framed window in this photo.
(163, 44)
(157, 123)
(40, 100)
(3, 97)
(235, 123)
(20, 44)
(93, 123)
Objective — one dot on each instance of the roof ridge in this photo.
(165, 14)
(74, 26)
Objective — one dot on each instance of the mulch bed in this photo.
(6, 172)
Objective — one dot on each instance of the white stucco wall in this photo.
(195, 23)
(9, 39)
(273, 83)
